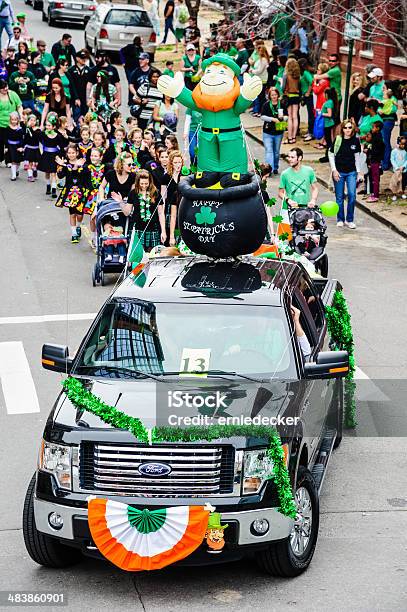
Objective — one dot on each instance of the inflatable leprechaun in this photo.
(221, 213)
(221, 100)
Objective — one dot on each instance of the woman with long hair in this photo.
(329, 112)
(23, 51)
(118, 182)
(170, 193)
(103, 96)
(61, 72)
(56, 102)
(358, 84)
(259, 69)
(344, 158)
(165, 116)
(291, 90)
(146, 212)
(307, 98)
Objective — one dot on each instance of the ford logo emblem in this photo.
(154, 469)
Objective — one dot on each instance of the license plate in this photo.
(77, 7)
(124, 36)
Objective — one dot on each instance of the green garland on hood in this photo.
(85, 400)
(339, 326)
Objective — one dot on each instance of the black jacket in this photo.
(79, 79)
(58, 50)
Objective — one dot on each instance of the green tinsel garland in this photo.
(85, 400)
(340, 329)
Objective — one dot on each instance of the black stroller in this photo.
(109, 211)
(308, 228)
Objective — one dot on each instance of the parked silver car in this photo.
(78, 11)
(112, 26)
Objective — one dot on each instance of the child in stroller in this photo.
(309, 239)
(115, 241)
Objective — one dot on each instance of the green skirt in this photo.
(149, 239)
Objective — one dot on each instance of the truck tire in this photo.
(281, 559)
(44, 549)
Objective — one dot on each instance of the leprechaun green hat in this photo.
(214, 519)
(222, 58)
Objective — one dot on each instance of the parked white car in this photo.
(112, 26)
(78, 11)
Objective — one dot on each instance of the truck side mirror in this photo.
(328, 364)
(55, 357)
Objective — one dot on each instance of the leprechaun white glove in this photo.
(170, 86)
(251, 87)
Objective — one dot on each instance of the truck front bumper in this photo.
(75, 521)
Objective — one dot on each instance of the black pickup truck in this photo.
(233, 321)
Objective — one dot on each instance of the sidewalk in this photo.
(392, 214)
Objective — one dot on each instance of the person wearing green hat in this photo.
(214, 533)
(20, 17)
(221, 100)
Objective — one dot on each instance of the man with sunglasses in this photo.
(344, 158)
(334, 74)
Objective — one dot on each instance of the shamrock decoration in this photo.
(283, 236)
(270, 203)
(205, 216)
(277, 219)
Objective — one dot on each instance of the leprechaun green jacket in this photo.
(226, 151)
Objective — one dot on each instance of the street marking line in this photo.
(48, 318)
(16, 380)
(360, 374)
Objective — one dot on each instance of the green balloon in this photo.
(329, 208)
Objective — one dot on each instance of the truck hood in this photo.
(148, 401)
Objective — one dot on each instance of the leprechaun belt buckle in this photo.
(215, 130)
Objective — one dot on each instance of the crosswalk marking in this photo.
(17, 382)
(47, 318)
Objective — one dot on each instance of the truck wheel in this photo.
(44, 549)
(292, 556)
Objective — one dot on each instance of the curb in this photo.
(360, 204)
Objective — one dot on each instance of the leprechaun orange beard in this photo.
(216, 102)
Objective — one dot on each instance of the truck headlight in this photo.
(257, 468)
(56, 459)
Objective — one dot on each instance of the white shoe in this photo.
(404, 196)
(350, 224)
(339, 224)
(108, 258)
(121, 259)
(394, 198)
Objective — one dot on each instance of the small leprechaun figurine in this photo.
(214, 533)
(220, 99)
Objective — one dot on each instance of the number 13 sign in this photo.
(194, 361)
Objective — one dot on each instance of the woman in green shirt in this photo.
(9, 103)
(329, 110)
(61, 72)
(190, 66)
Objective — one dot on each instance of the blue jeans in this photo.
(386, 133)
(169, 26)
(348, 178)
(272, 145)
(5, 24)
(28, 104)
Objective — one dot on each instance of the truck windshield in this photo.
(165, 338)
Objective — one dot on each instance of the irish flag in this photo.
(136, 254)
(136, 540)
(283, 225)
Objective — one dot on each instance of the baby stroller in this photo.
(309, 238)
(109, 212)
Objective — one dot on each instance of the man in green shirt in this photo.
(377, 86)
(23, 82)
(334, 74)
(298, 183)
(47, 59)
(282, 24)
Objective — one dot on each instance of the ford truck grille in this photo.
(195, 471)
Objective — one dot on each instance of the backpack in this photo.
(318, 130)
(183, 14)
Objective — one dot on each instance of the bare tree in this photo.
(384, 21)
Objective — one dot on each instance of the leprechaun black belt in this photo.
(220, 130)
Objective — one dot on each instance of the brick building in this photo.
(374, 47)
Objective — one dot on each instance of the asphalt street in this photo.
(360, 561)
